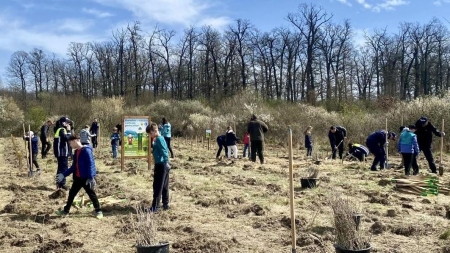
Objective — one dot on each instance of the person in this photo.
(84, 172)
(222, 145)
(357, 151)
(61, 148)
(246, 141)
(32, 158)
(408, 146)
(308, 142)
(166, 132)
(45, 138)
(337, 135)
(231, 140)
(119, 130)
(400, 129)
(95, 126)
(115, 138)
(376, 142)
(161, 169)
(424, 132)
(85, 135)
(256, 128)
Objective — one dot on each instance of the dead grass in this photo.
(218, 206)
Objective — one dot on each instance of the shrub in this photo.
(11, 117)
(109, 111)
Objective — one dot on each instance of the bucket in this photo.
(160, 248)
(308, 182)
(340, 250)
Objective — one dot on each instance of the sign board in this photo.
(135, 141)
(208, 134)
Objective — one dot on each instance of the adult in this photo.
(95, 126)
(61, 148)
(337, 135)
(409, 148)
(357, 151)
(45, 138)
(166, 132)
(221, 142)
(231, 140)
(376, 142)
(256, 128)
(33, 145)
(424, 132)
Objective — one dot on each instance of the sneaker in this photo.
(64, 187)
(62, 213)
(38, 172)
(99, 215)
(166, 207)
(151, 210)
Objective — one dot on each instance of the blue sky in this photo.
(51, 25)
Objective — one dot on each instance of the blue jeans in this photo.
(114, 150)
(63, 165)
(245, 150)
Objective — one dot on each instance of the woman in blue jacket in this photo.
(408, 147)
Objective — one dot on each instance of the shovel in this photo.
(441, 168)
(329, 157)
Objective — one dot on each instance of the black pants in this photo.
(309, 151)
(429, 156)
(220, 150)
(160, 185)
(340, 148)
(77, 184)
(94, 141)
(409, 160)
(46, 146)
(63, 165)
(33, 160)
(167, 139)
(257, 147)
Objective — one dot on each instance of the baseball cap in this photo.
(423, 120)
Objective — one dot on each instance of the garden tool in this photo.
(441, 168)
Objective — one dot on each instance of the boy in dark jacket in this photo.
(424, 132)
(308, 142)
(84, 172)
(357, 151)
(337, 135)
(161, 170)
(221, 141)
(408, 147)
(376, 142)
(32, 158)
(115, 139)
(45, 138)
(256, 128)
(61, 148)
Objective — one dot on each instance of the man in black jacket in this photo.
(337, 134)
(256, 128)
(94, 130)
(45, 138)
(424, 132)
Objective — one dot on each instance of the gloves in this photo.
(442, 134)
(94, 135)
(59, 178)
(91, 183)
(166, 166)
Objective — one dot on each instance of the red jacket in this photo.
(246, 139)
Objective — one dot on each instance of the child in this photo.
(246, 141)
(408, 147)
(85, 136)
(308, 142)
(231, 142)
(221, 143)
(115, 138)
(32, 158)
(161, 170)
(84, 171)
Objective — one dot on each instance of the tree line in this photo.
(313, 60)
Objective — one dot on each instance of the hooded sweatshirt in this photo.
(407, 142)
(231, 138)
(83, 165)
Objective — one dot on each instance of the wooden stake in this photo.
(291, 191)
(387, 146)
(441, 168)
(30, 149)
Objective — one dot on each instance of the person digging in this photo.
(424, 132)
(377, 144)
(84, 172)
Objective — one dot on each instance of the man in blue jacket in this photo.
(409, 148)
(376, 142)
(221, 141)
(424, 132)
(84, 172)
(337, 135)
(32, 158)
(61, 148)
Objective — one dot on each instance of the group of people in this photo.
(253, 141)
(413, 140)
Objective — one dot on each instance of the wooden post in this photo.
(122, 147)
(208, 142)
(387, 146)
(441, 168)
(291, 191)
(30, 149)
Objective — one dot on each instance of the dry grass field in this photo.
(218, 206)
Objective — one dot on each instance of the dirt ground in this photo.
(218, 206)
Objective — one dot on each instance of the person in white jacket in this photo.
(231, 140)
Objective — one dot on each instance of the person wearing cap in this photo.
(357, 151)
(376, 142)
(337, 135)
(84, 172)
(256, 128)
(424, 132)
(45, 138)
(407, 146)
(32, 158)
(61, 148)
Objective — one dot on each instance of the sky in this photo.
(50, 25)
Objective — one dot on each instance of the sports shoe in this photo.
(151, 210)
(38, 172)
(99, 215)
(62, 213)
(166, 207)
